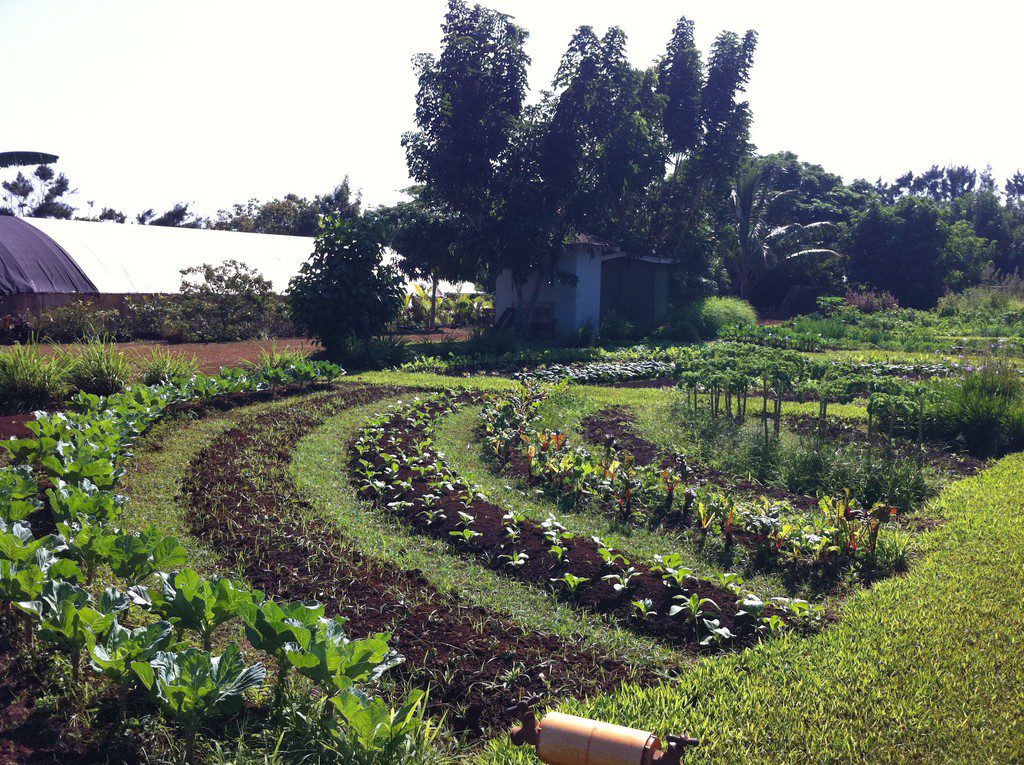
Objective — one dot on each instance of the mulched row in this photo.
(541, 567)
(244, 503)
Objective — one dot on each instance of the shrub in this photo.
(872, 302)
(617, 328)
(719, 312)
(30, 380)
(161, 366)
(345, 288)
(80, 320)
(227, 302)
(376, 353)
(98, 367)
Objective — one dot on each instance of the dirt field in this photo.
(213, 356)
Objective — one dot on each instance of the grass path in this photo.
(928, 668)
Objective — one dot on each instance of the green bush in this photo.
(345, 287)
(162, 366)
(717, 313)
(81, 320)
(99, 367)
(31, 380)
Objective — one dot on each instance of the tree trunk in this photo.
(433, 301)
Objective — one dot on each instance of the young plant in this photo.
(570, 583)
(643, 608)
(620, 582)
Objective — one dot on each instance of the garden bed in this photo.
(244, 503)
(451, 515)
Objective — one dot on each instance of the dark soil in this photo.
(581, 557)
(13, 426)
(618, 423)
(245, 504)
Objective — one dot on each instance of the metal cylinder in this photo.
(568, 740)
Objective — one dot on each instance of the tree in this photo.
(760, 247)
(912, 251)
(40, 196)
(226, 302)
(429, 241)
(468, 108)
(291, 215)
(345, 288)
(178, 216)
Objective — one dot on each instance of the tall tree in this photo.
(468, 107)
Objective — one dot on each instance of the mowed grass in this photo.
(928, 668)
(320, 471)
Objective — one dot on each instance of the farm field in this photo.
(671, 545)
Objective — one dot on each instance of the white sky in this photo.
(215, 101)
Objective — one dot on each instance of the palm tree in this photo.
(760, 247)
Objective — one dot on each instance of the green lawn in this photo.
(928, 668)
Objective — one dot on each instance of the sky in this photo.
(212, 102)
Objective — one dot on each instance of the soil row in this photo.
(243, 501)
(409, 491)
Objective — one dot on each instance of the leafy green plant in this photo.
(193, 686)
(191, 602)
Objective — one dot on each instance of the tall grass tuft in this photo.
(716, 313)
(162, 366)
(99, 367)
(30, 379)
(983, 410)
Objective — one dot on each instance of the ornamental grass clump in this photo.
(30, 379)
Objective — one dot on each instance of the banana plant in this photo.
(192, 602)
(136, 557)
(114, 656)
(191, 686)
